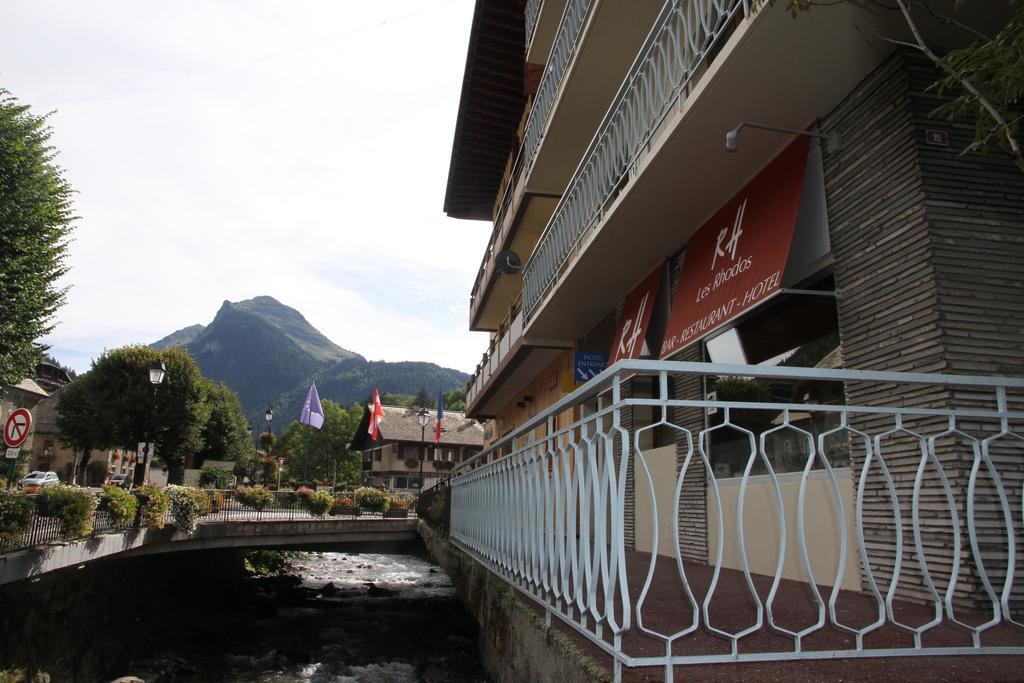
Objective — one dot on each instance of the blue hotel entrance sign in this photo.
(586, 365)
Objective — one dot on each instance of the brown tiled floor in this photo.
(667, 609)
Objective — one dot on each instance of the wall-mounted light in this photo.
(732, 138)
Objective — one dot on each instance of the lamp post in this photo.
(423, 416)
(269, 417)
(156, 371)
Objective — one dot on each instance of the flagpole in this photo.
(305, 462)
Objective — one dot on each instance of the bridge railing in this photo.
(783, 513)
(283, 506)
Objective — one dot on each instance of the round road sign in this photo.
(17, 426)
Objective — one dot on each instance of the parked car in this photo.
(118, 480)
(37, 480)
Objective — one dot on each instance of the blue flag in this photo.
(439, 422)
(312, 412)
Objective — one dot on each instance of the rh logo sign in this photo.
(734, 239)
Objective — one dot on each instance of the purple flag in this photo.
(312, 412)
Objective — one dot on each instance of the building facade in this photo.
(712, 183)
(404, 456)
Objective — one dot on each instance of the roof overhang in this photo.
(490, 108)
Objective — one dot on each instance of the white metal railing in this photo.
(924, 500)
(510, 333)
(562, 51)
(531, 14)
(676, 48)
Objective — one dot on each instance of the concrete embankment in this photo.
(514, 644)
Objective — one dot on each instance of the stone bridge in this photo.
(348, 535)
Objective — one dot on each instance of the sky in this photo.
(226, 149)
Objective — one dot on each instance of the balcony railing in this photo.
(532, 13)
(499, 234)
(680, 42)
(562, 52)
(920, 500)
(504, 343)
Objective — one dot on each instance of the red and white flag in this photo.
(376, 415)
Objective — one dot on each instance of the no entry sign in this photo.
(16, 427)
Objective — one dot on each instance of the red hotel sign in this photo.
(636, 316)
(737, 258)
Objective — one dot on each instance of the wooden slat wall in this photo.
(975, 208)
(927, 248)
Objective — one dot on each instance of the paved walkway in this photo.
(668, 610)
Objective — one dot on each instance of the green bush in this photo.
(318, 504)
(119, 504)
(16, 511)
(184, 507)
(255, 497)
(215, 477)
(75, 508)
(202, 500)
(371, 498)
(269, 562)
(216, 499)
(154, 502)
(402, 501)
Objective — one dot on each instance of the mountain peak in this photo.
(180, 338)
(268, 353)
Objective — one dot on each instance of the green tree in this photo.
(985, 78)
(423, 399)
(126, 409)
(77, 423)
(327, 447)
(455, 399)
(226, 433)
(35, 224)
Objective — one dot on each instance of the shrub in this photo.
(344, 506)
(255, 497)
(154, 502)
(318, 504)
(201, 500)
(216, 499)
(402, 501)
(371, 498)
(215, 477)
(269, 562)
(73, 506)
(184, 507)
(16, 511)
(119, 504)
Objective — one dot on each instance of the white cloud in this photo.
(223, 150)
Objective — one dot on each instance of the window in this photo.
(798, 330)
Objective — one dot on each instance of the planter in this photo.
(396, 513)
(345, 511)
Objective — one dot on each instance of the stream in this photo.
(337, 617)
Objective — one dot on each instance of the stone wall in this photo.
(82, 625)
(514, 644)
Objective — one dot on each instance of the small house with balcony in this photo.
(405, 450)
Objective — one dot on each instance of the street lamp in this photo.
(423, 417)
(269, 417)
(157, 371)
